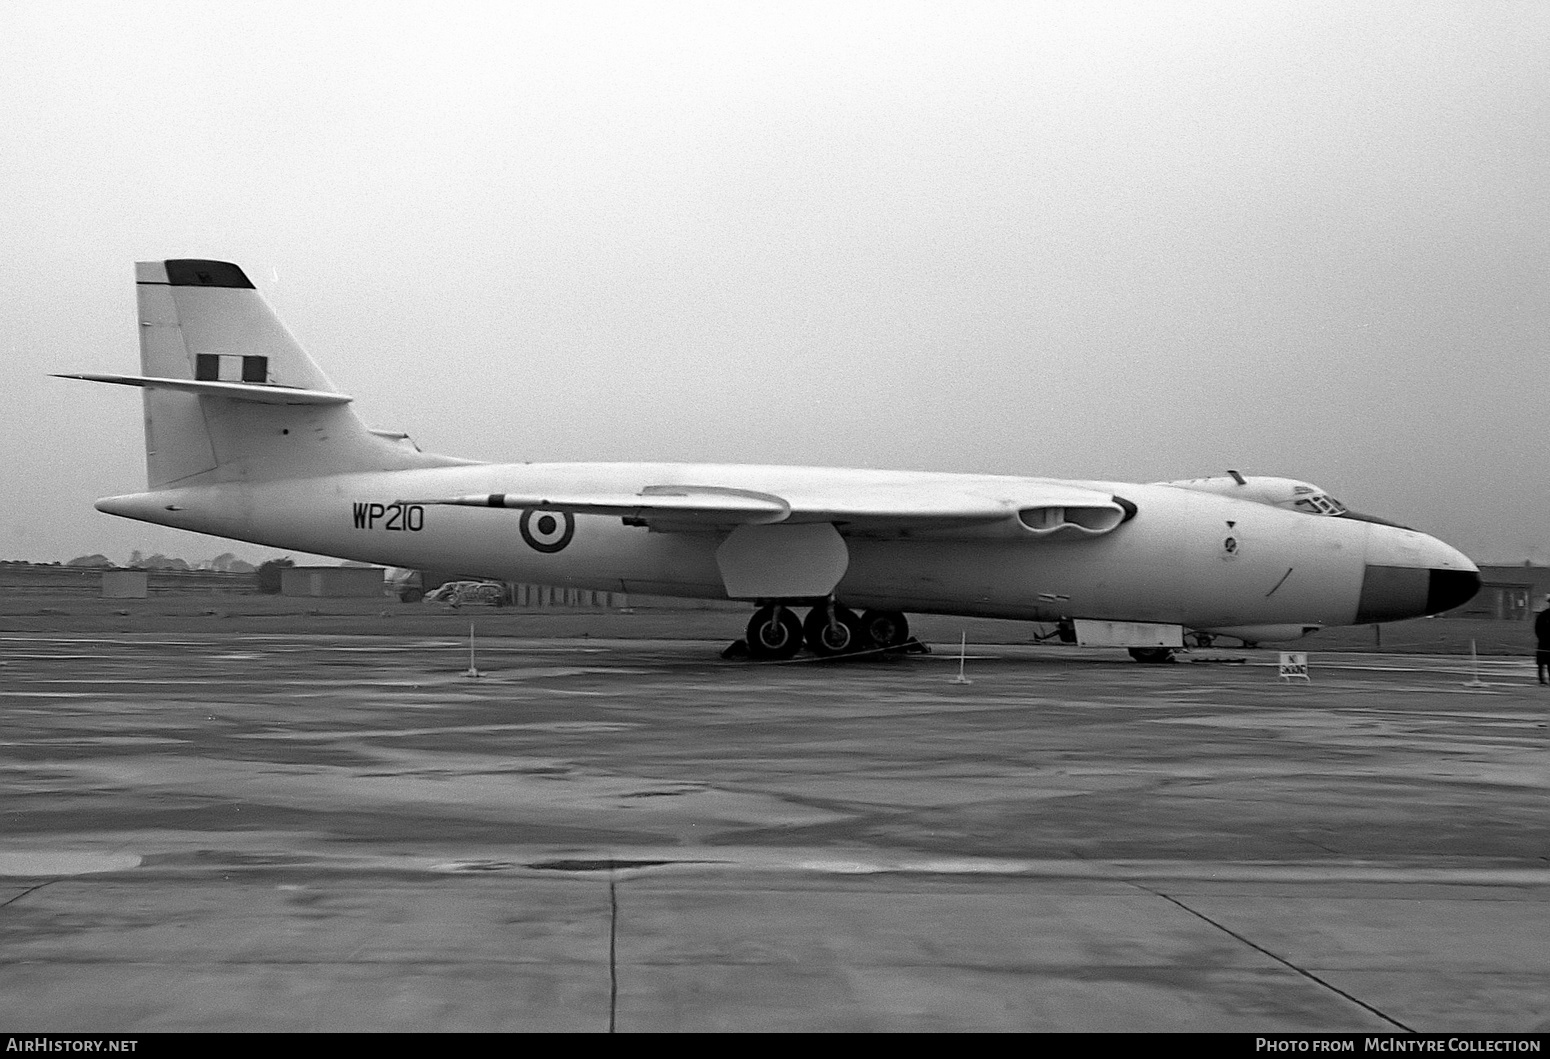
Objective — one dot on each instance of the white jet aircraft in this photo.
(247, 439)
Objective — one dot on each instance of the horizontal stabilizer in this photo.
(236, 391)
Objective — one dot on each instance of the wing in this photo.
(889, 510)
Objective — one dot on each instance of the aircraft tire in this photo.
(774, 633)
(885, 628)
(1152, 655)
(843, 637)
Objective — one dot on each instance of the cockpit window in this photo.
(1320, 504)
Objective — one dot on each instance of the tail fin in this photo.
(231, 396)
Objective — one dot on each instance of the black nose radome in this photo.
(1394, 593)
(1451, 588)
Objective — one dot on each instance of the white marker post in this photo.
(963, 647)
(1294, 666)
(1474, 665)
(473, 670)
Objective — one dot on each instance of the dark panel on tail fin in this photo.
(189, 272)
(255, 369)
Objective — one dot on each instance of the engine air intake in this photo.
(1086, 521)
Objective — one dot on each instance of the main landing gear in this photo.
(774, 633)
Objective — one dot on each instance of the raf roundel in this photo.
(547, 531)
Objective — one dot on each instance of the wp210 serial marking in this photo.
(401, 518)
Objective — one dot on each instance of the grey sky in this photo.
(1131, 241)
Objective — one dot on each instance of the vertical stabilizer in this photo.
(204, 322)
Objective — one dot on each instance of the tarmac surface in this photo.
(306, 832)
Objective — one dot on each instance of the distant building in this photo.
(331, 581)
(524, 595)
(1508, 593)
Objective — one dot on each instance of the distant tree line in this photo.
(225, 563)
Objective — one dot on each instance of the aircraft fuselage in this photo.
(247, 438)
(1194, 559)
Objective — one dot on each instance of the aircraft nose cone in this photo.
(1451, 588)
(1410, 575)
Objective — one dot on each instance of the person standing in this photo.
(1542, 643)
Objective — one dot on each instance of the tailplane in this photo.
(230, 395)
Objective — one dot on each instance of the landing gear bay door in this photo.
(1127, 634)
(802, 561)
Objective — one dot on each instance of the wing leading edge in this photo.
(1037, 510)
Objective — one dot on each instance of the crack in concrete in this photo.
(33, 889)
(1278, 959)
(613, 951)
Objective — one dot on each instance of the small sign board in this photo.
(1294, 666)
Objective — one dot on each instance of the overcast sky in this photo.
(1110, 240)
